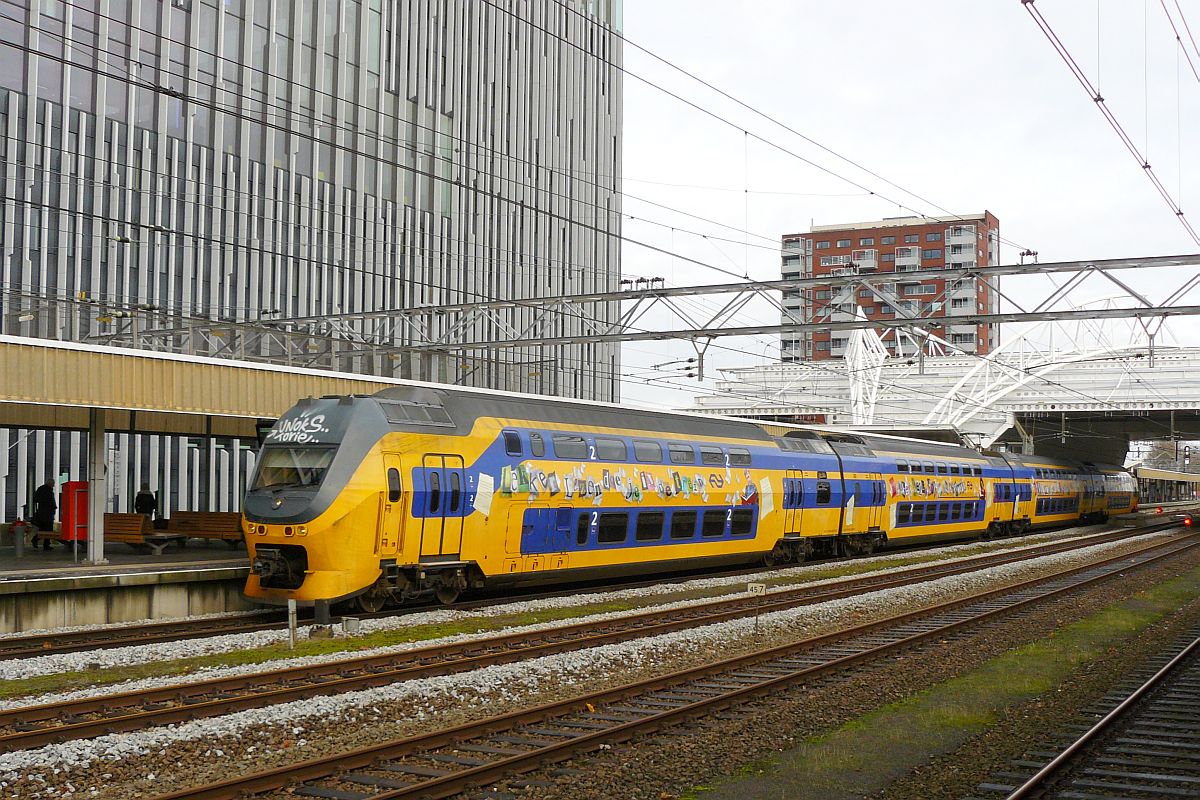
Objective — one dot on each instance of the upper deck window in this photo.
(569, 446)
(611, 450)
(512, 443)
(647, 452)
(681, 453)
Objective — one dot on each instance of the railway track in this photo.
(34, 726)
(446, 762)
(52, 642)
(1146, 743)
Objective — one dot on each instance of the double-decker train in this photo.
(422, 490)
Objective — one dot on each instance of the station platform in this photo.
(50, 589)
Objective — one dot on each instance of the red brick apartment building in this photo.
(891, 254)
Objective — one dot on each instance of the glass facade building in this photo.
(259, 160)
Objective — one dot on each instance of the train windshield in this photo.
(280, 467)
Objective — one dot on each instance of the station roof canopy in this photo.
(1167, 475)
(53, 385)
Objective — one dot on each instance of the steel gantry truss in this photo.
(466, 329)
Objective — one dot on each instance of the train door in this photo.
(391, 509)
(877, 494)
(442, 506)
(560, 536)
(793, 501)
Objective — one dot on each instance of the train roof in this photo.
(464, 406)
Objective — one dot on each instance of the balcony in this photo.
(960, 234)
(865, 260)
(908, 259)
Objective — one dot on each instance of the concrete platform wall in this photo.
(60, 602)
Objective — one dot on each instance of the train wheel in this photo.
(446, 595)
(778, 555)
(371, 601)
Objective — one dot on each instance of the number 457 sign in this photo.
(756, 589)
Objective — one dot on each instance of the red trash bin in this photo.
(74, 508)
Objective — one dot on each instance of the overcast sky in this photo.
(965, 104)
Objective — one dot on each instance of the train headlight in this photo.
(302, 530)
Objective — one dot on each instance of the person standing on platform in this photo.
(44, 506)
(145, 502)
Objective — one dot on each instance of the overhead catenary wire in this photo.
(1109, 117)
(237, 114)
(775, 121)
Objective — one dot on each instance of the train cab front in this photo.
(299, 517)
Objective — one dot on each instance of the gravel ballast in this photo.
(207, 750)
(16, 669)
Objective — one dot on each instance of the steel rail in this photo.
(1046, 774)
(445, 785)
(52, 642)
(182, 702)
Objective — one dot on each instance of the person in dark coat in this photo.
(145, 502)
(44, 506)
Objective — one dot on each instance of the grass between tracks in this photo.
(99, 676)
(845, 762)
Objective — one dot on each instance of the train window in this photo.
(537, 445)
(393, 479)
(742, 522)
(612, 527)
(683, 524)
(943, 511)
(824, 493)
(903, 513)
(713, 523)
(292, 466)
(611, 450)
(455, 492)
(512, 443)
(569, 446)
(956, 511)
(902, 467)
(928, 465)
(681, 453)
(739, 457)
(977, 471)
(435, 492)
(650, 526)
(712, 456)
(647, 452)
(581, 528)
(941, 469)
(955, 469)
(915, 466)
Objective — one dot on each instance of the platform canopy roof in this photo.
(53, 385)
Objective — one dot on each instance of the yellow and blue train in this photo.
(420, 490)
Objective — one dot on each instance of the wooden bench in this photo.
(225, 526)
(136, 531)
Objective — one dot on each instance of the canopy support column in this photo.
(97, 493)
